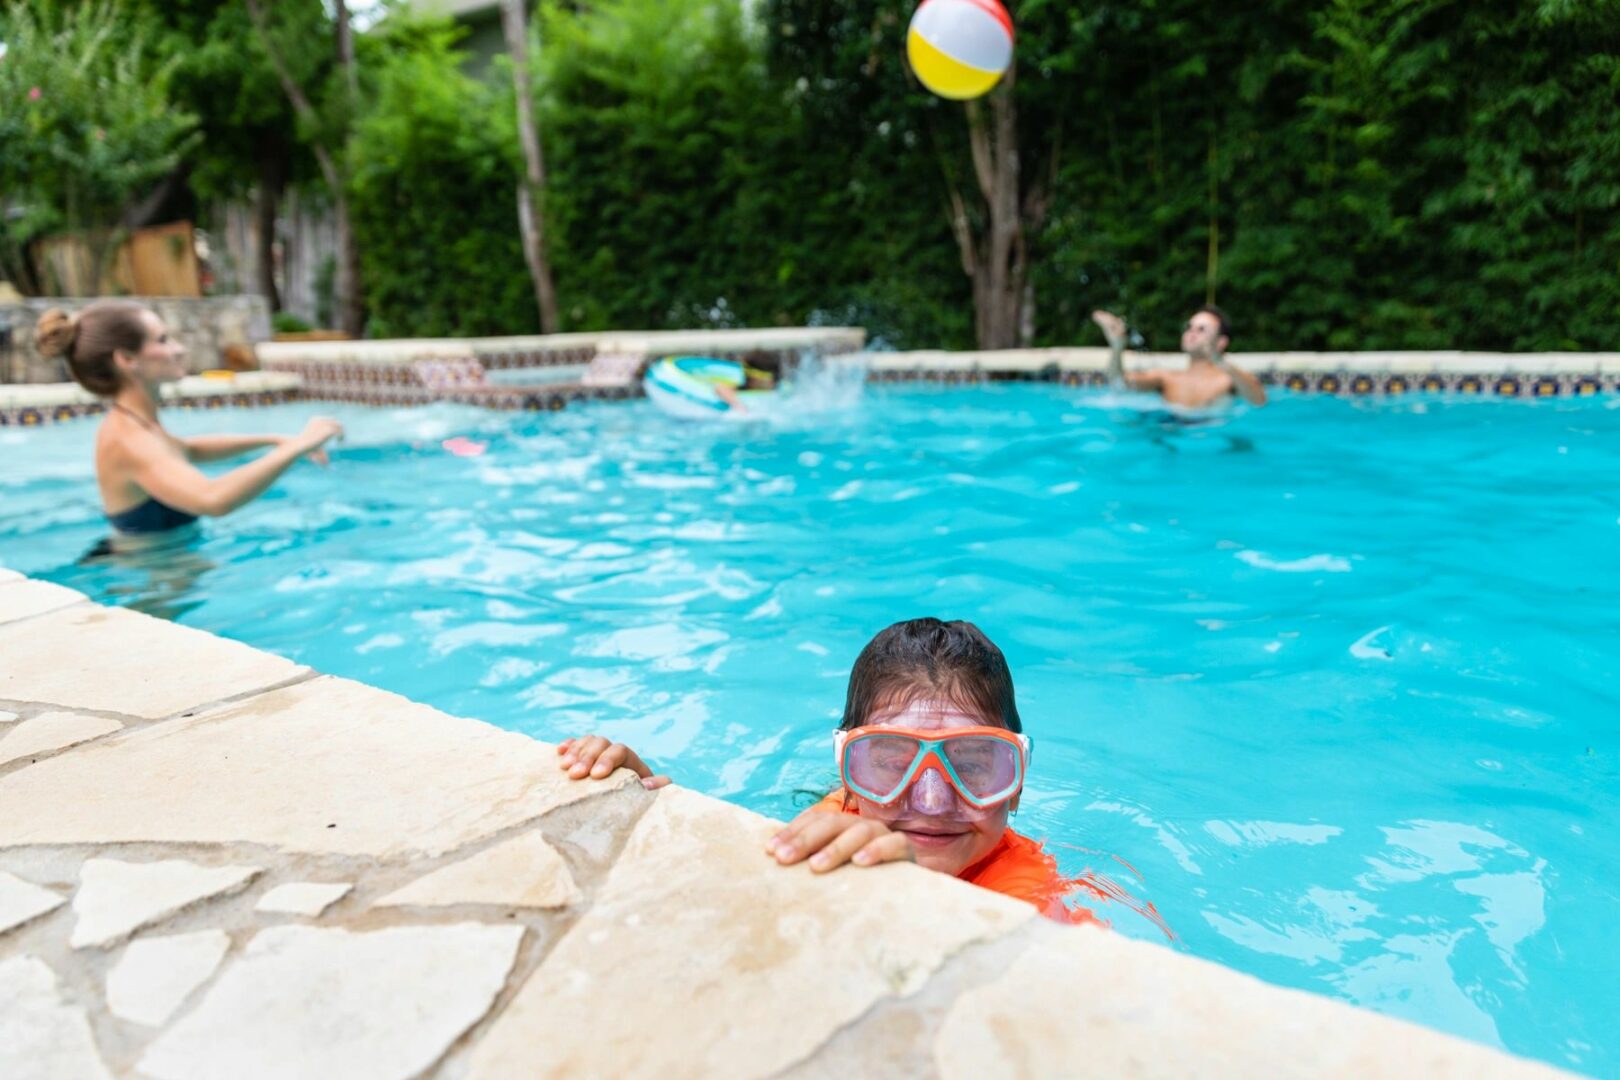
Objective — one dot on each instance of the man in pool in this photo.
(1209, 377)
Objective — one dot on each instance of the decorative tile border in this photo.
(1509, 377)
(35, 415)
(33, 404)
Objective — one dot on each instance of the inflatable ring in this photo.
(685, 386)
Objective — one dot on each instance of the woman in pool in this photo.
(932, 758)
(121, 352)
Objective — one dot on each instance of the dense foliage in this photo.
(433, 173)
(1337, 173)
(86, 120)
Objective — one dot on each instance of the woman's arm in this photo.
(222, 447)
(180, 484)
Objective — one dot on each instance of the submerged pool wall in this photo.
(215, 862)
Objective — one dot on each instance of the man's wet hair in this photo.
(1220, 317)
(766, 360)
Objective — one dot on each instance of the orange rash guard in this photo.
(1017, 866)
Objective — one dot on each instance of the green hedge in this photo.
(434, 201)
(1337, 173)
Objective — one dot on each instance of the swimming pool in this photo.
(1337, 678)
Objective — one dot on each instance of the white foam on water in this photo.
(1365, 647)
(1311, 564)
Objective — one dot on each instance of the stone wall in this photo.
(216, 863)
(206, 327)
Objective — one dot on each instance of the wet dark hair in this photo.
(88, 340)
(763, 363)
(929, 659)
(1220, 317)
(766, 360)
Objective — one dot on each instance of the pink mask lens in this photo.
(986, 767)
(879, 764)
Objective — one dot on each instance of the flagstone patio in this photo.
(216, 863)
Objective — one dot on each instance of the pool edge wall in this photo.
(601, 367)
(214, 862)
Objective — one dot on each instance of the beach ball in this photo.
(960, 48)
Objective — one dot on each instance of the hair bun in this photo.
(55, 333)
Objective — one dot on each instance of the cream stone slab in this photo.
(52, 731)
(720, 962)
(154, 975)
(304, 1001)
(114, 660)
(524, 871)
(1153, 1013)
(190, 388)
(21, 599)
(324, 766)
(23, 901)
(116, 898)
(303, 897)
(42, 1037)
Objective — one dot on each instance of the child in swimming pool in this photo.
(932, 758)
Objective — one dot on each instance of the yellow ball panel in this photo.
(947, 77)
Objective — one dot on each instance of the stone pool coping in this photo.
(215, 862)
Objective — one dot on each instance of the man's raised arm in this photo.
(1113, 328)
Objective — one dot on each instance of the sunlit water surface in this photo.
(1337, 679)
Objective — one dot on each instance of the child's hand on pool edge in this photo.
(593, 757)
(830, 839)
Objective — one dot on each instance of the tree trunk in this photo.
(351, 300)
(532, 185)
(350, 289)
(351, 297)
(1212, 261)
(996, 261)
(272, 181)
(344, 40)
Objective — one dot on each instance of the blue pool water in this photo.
(1338, 679)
